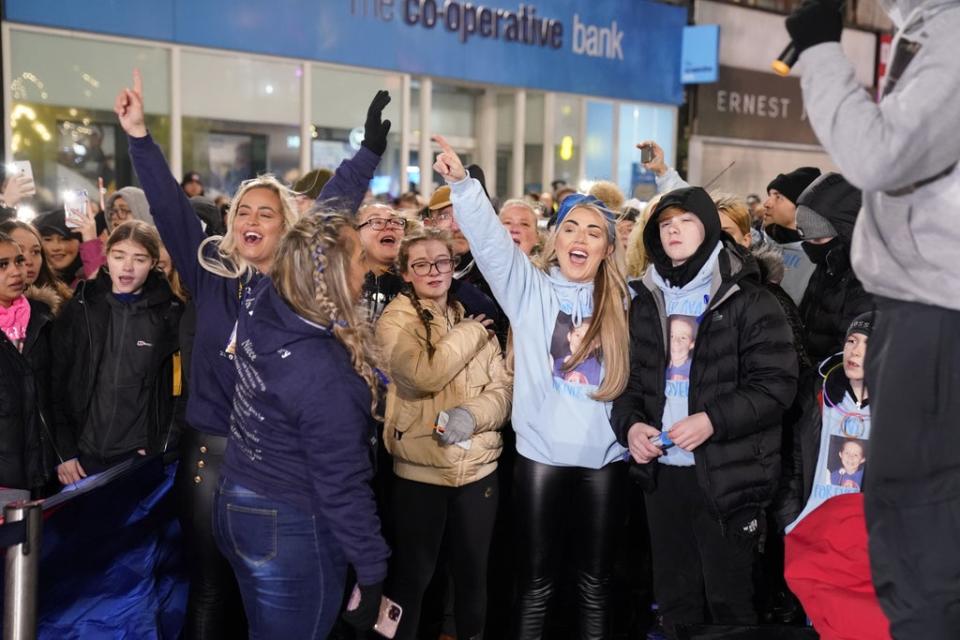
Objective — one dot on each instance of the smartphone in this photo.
(21, 168)
(75, 208)
(646, 154)
(389, 617)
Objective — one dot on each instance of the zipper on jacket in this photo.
(116, 390)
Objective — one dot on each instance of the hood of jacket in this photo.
(831, 197)
(900, 11)
(277, 324)
(698, 202)
(769, 260)
(136, 199)
(576, 298)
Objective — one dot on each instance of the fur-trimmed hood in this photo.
(769, 258)
(46, 295)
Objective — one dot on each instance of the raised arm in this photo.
(349, 184)
(510, 274)
(178, 224)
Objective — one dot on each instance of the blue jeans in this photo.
(290, 571)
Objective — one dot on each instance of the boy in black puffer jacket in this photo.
(713, 366)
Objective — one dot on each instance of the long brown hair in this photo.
(45, 277)
(608, 326)
(424, 234)
(321, 245)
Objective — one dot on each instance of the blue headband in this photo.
(571, 202)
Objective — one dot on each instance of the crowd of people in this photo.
(430, 415)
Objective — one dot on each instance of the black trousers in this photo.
(697, 566)
(912, 476)
(460, 519)
(548, 501)
(214, 607)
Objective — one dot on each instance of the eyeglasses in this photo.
(379, 224)
(443, 265)
(436, 218)
(120, 212)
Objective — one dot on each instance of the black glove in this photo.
(815, 22)
(365, 615)
(374, 130)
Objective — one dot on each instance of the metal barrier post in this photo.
(21, 577)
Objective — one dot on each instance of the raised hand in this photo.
(129, 108)
(448, 163)
(375, 130)
(658, 165)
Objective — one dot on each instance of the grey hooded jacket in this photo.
(903, 152)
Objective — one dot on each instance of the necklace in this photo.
(853, 424)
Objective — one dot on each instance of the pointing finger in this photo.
(444, 145)
(137, 82)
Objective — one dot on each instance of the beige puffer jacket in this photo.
(466, 370)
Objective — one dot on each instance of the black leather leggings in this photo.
(214, 607)
(549, 501)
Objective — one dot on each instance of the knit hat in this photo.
(828, 208)
(792, 184)
(55, 222)
(582, 200)
(440, 199)
(191, 176)
(136, 199)
(698, 202)
(862, 324)
(311, 184)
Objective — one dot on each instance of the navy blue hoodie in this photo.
(300, 427)
(217, 299)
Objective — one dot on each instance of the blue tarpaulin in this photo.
(110, 564)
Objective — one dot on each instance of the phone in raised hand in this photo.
(75, 208)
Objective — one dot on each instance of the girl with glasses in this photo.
(449, 396)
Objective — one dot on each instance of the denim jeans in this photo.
(290, 571)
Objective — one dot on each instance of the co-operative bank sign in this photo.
(628, 49)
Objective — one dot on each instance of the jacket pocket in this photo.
(252, 533)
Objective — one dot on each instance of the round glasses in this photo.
(437, 218)
(443, 265)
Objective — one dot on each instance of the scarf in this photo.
(14, 320)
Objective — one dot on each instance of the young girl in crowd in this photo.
(441, 364)
(706, 493)
(569, 471)
(61, 247)
(24, 378)
(36, 272)
(113, 347)
(218, 272)
(294, 505)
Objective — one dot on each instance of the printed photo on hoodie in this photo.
(846, 462)
(565, 342)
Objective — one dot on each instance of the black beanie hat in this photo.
(792, 184)
(699, 203)
(863, 323)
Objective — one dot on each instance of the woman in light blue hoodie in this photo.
(570, 347)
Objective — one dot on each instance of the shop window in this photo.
(639, 122)
(62, 94)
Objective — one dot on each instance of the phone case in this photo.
(389, 618)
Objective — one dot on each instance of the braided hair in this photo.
(323, 245)
(424, 234)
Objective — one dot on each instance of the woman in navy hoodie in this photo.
(295, 504)
(217, 273)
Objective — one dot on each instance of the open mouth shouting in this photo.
(252, 238)
(389, 240)
(125, 281)
(578, 257)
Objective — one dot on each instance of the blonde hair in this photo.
(609, 193)
(735, 208)
(637, 262)
(311, 273)
(228, 262)
(424, 234)
(609, 322)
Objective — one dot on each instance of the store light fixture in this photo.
(566, 148)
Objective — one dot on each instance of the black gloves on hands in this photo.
(815, 22)
(375, 130)
(365, 615)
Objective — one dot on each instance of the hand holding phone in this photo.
(75, 208)
(367, 602)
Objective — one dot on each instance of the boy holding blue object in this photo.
(712, 369)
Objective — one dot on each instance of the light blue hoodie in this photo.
(556, 421)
